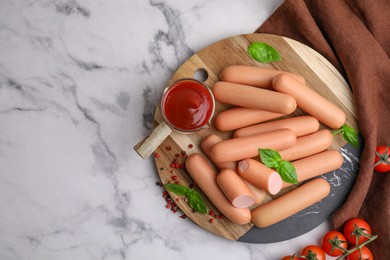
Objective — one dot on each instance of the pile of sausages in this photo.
(260, 95)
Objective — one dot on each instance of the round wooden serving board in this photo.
(320, 75)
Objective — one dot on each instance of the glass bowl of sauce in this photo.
(187, 105)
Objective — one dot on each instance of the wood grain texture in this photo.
(320, 75)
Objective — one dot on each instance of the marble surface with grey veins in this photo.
(79, 82)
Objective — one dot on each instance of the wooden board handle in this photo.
(147, 145)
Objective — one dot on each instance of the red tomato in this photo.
(382, 159)
(332, 242)
(363, 254)
(355, 230)
(290, 257)
(313, 252)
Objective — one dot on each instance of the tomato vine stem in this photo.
(358, 247)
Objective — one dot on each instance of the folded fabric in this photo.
(354, 36)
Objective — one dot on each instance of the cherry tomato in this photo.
(332, 242)
(313, 252)
(290, 257)
(355, 229)
(382, 159)
(363, 254)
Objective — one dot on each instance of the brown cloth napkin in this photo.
(354, 35)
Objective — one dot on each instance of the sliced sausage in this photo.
(310, 101)
(235, 189)
(260, 175)
(205, 177)
(300, 125)
(308, 145)
(239, 117)
(236, 149)
(316, 165)
(254, 98)
(290, 203)
(253, 76)
(212, 140)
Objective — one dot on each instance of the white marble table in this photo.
(79, 81)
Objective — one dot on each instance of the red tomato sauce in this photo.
(188, 105)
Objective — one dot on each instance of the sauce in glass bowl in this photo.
(187, 105)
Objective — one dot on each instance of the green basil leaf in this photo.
(269, 157)
(349, 134)
(262, 52)
(196, 201)
(177, 189)
(287, 172)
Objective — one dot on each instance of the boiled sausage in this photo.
(316, 165)
(208, 143)
(310, 101)
(290, 203)
(308, 145)
(239, 117)
(253, 76)
(254, 98)
(247, 147)
(260, 175)
(235, 189)
(300, 125)
(205, 177)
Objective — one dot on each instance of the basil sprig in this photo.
(262, 52)
(195, 200)
(349, 134)
(272, 159)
